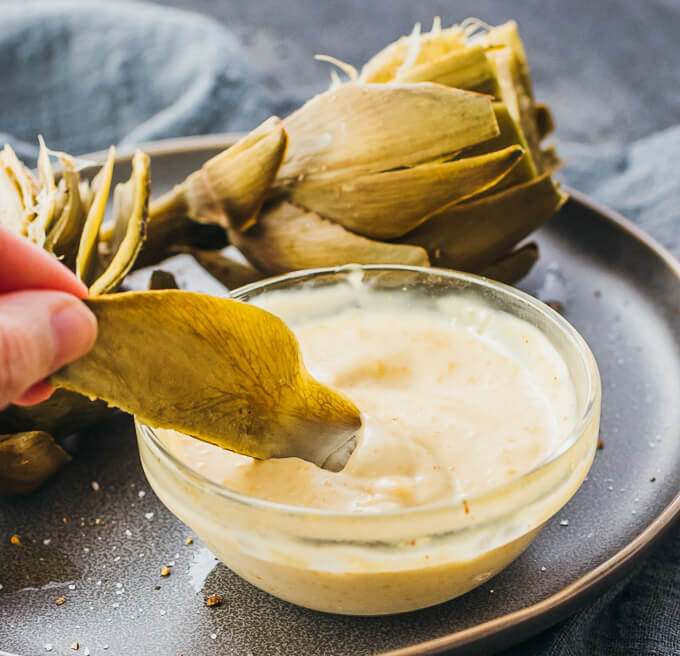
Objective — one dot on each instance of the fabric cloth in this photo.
(88, 75)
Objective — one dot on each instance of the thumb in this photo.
(40, 331)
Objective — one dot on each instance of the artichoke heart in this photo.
(235, 378)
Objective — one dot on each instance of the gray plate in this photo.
(103, 550)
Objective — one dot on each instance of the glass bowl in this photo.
(397, 561)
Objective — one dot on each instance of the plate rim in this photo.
(531, 620)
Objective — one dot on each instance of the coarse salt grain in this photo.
(46, 541)
(48, 647)
(141, 494)
(95, 486)
(564, 522)
(148, 515)
(72, 586)
(128, 532)
(213, 636)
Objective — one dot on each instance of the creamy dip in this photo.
(456, 399)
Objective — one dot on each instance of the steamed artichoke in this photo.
(408, 163)
(66, 219)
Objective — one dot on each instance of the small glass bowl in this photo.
(388, 562)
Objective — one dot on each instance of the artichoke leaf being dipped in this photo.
(235, 377)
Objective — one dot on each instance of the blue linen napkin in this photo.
(88, 75)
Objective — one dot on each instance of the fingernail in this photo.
(74, 329)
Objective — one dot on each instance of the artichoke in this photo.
(66, 219)
(430, 155)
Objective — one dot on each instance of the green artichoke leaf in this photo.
(514, 266)
(46, 200)
(62, 414)
(227, 270)
(27, 460)
(130, 211)
(476, 233)
(161, 279)
(467, 68)
(232, 186)
(368, 128)
(22, 178)
(63, 238)
(390, 204)
(223, 371)
(89, 237)
(286, 238)
(398, 56)
(511, 134)
(12, 214)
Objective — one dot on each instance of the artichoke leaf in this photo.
(512, 70)
(551, 160)
(286, 238)
(545, 123)
(223, 371)
(62, 414)
(64, 236)
(89, 237)
(24, 181)
(390, 204)
(161, 279)
(232, 186)
(514, 266)
(11, 206)
(478, 232)
(131, 202)
(468, 69)
(46, 200)
(27, 460)
(166, 237)
(510, 134)
(365, 128)
(394, 58)
(227, 270)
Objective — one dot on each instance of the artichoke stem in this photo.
(171, 205)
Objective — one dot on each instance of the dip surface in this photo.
(456, 399)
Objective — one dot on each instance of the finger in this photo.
(35, 394)
(40, 331)
(25, 266)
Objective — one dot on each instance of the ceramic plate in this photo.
(102, 549)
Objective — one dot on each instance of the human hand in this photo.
(43, 324)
